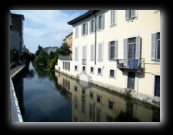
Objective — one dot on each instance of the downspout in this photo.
(95, 37)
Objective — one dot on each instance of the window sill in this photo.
(113, 25)
(113, 77)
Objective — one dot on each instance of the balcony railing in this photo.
(133, 64)
(84, 61)
(65, 57)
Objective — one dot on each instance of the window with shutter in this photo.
(155, 46)
(92, 25)
(125, 42)
(100, 22)
(113, 17)
(92, 52)
(131, 14)
(76, 32)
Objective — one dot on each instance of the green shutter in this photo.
(86, 28)
(127, 14)
(153, 46)
(125, 42)
(138, 48)
(103, 21)
(116, 50)
(109, 50)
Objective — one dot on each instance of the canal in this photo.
(53, 97)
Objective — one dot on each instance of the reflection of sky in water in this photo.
(43, 102)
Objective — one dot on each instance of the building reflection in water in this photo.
(93, 104)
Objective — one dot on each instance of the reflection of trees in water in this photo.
(40, 70)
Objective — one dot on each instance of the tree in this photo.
(65, 49)
(40, 48)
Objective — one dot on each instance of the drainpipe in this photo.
(95, 37)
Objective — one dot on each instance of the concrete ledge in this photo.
(15, 113)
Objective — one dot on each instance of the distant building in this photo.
(16, 31)
(69, 40)
(25, 49)
(50, 49)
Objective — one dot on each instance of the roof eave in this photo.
(79, 18)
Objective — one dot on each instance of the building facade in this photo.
(16, 31)
(69, 40)
(118, 48)
(50, 49)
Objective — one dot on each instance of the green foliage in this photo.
(64, 50)
(51, 64)
(42, 58)
(40, 48)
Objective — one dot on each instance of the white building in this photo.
(117, 48)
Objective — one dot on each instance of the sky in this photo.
(46, 27)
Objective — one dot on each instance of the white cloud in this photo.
(45, 27)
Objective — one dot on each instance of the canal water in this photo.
(53, 97)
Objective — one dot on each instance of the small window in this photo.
(113, 17)
(83, 68)
(91, 94)
(92, 25)
(99, 71)
(92, 70)
(83, 91)
(99, 99)
(131, 14)
(112, 49)
(112, 73)
(155, 47)
(75, 68)
(100, 22)
(84, 29)
(75, 88)
(110, 104)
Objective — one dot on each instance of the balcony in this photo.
(130, 64)
(65, 57)
(84, 61)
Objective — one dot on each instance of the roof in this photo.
(69, 34)
(84, 16)
(18, 15)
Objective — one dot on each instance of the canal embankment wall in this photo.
(15, 113)
(124, 91)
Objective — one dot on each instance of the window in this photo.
(131, 14)
(84, 55)
(155, 47)
(157, 86)
(98, 114)
(99, 71)
(113, 17)
(84, 29)
(91, 112)
(75, 68)
(91, 94)
(66, 66)
(99, 99)
(100, 22)
(100, 51)
(83, 68)
(113, 50)
(132, 49)
(110, 104)
(112, 73)
(83, 104)
(76, 53)
(92, 52)
(91, 70)
(92, 25)
(83, 91)
(75, 88)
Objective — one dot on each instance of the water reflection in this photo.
(93, 104)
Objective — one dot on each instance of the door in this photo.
(131, 80)
(157, 86)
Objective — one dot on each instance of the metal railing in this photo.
(130, 63)
(65, 57)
